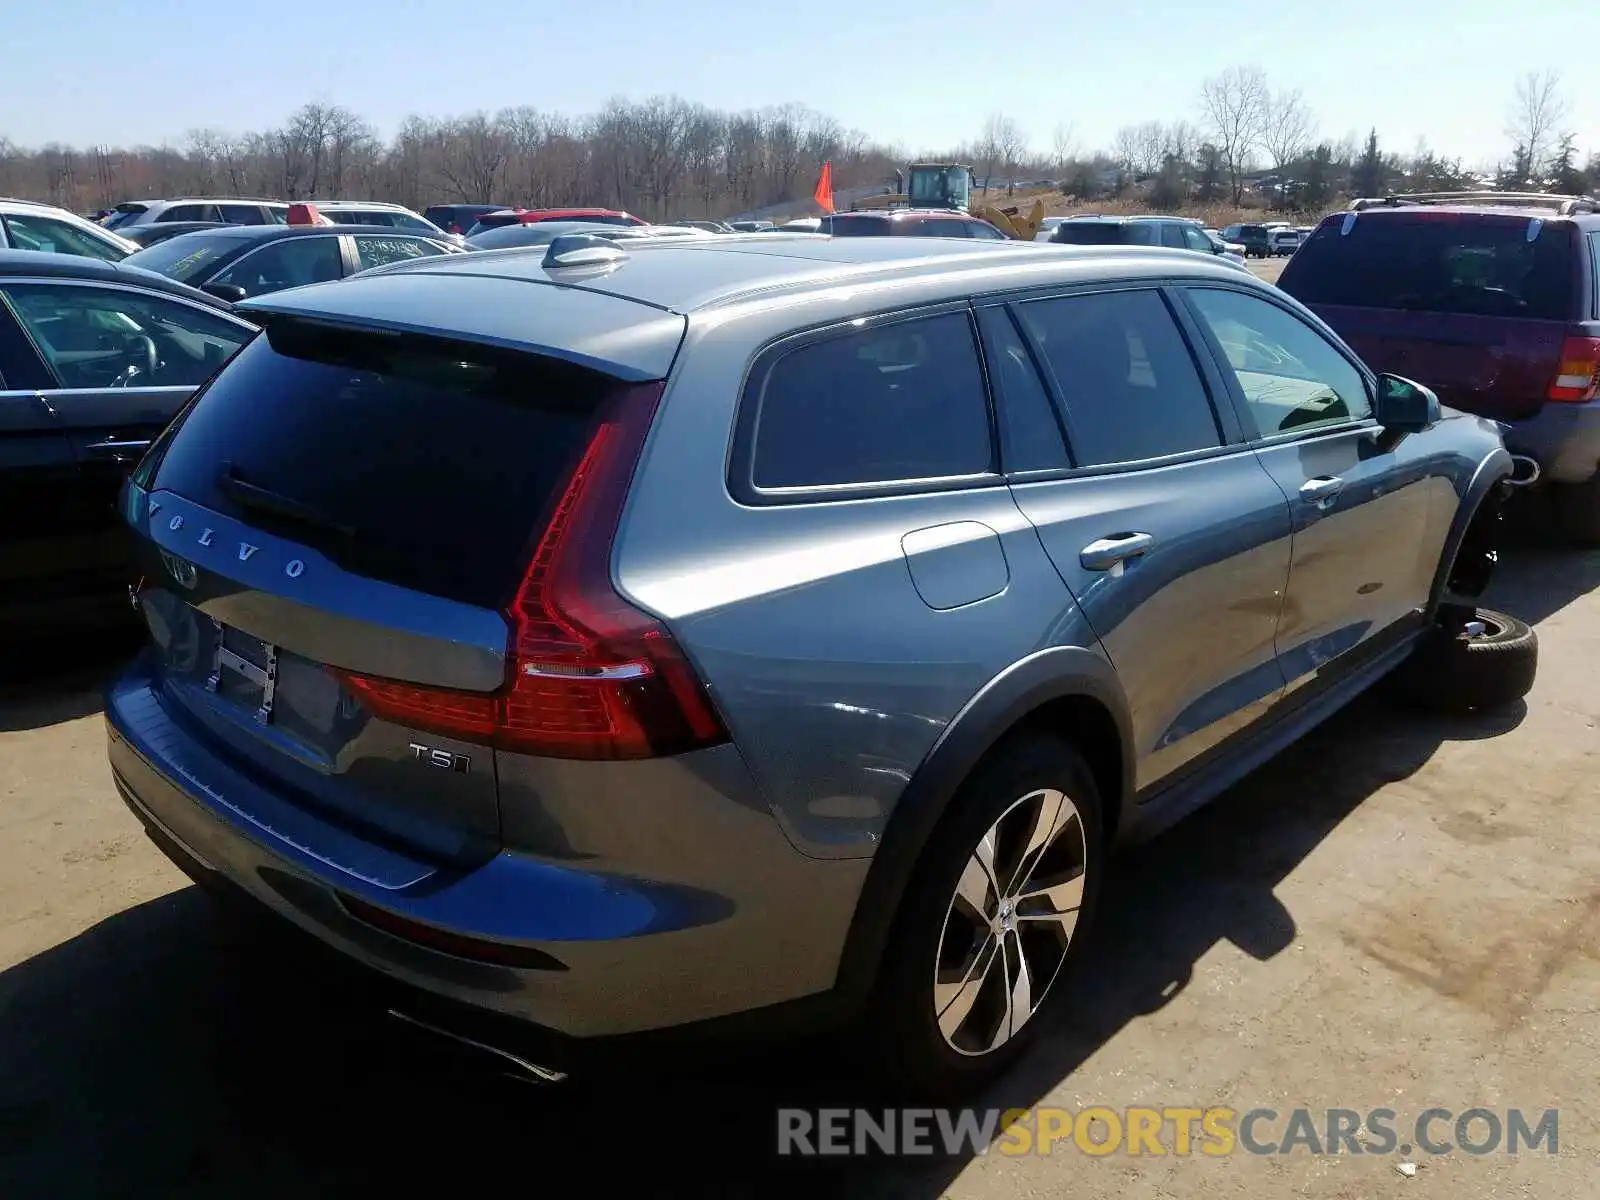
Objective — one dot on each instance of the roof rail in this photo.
(1565, 206)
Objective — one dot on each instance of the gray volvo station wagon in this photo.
(612, 646)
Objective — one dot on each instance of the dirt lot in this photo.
(1401, 912)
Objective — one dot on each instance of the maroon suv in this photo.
(1495, 306)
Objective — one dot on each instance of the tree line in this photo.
(667, 158)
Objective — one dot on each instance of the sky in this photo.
(923, 74)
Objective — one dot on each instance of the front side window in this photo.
(95, 337)
(58, 237)
(1131, 388)
(1290, 375)
(902, 401)
(288, 263)
(1193, 239)
(373, 250)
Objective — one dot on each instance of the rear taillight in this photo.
(590, 675)
(1577, 378)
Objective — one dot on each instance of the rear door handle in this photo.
(1107, 553)
(1321, 491)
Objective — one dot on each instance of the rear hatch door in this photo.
(1474, 305)
(365, 500)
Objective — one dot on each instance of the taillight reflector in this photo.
(591, 676)
(1577, 377)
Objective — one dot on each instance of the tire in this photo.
(1577, 508)
(1459, 673)
(935, 930)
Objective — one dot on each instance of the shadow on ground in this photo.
(167, 1052)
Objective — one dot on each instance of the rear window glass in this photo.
(1438, 262)
(125, 214)
(187, 257)
(422, 463)
(903, 401)
(1104, 233)
(859, 226)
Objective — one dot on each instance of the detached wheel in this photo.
(993, 917)
(1487, 661)
(1577, 508)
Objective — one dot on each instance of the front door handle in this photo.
(1107, 553)
(1321, 491)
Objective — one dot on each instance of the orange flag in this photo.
(824, 193)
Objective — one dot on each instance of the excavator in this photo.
(950, 186)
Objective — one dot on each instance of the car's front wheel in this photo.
(992, 919)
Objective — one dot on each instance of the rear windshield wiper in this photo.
(259, 499)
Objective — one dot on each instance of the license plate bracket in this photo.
(238, 656)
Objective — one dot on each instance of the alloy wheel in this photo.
(1010, 922)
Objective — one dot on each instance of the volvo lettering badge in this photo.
(185, 572)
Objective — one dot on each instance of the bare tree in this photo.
(1234, 105)
(1000, 144)
(1537, 109)
(1288, 127)
(1063, 146)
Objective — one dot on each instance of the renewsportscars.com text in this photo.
(1211, 1132)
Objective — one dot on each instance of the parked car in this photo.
(802, 225)
(1176, 233)
(236, 210)
(1493, 304)
(25, 225)
(458, 218)
(1222, 247)
(752, 226)
(908, 222)
(1108, 529)
(707, 226)
(252, 260)
(95, 358)
(1254, 238)
(542, 233)
(530, 216)
(1284, 241)
(159, 231)
(392, 216)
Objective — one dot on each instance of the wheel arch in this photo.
(1070, 691)
(1477, 517)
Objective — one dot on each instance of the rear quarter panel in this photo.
(835, 676)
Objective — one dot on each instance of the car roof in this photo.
(16, 263)
(683, 275)
(266, 233)
(1516, 211)
(895, 214)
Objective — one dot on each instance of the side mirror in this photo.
(231, 292)
(1403, 406)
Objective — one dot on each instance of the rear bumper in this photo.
(1563, 438)
(601, 957)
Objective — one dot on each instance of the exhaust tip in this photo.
(1526, 473)
(521, 1068)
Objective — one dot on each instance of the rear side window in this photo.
(1030, 436)
(902, 401)
(1131, 388)
(243, 214)
(1478, 265)
(191, 212)
(373, 250)
(1090, 233)
(288, 263)
(418, 462)
(932, 227)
